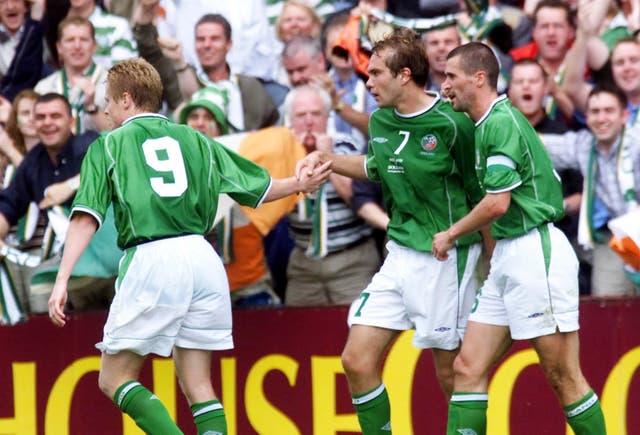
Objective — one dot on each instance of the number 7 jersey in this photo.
(163, 179)
(425, 162)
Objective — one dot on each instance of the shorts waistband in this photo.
(155, 239)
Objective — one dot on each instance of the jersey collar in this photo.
(144, 115)
(436, 98)
(493, 104)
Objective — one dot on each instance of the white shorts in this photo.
(413, 290)
(521, 294)
(170, 292)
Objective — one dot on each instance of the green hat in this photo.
(212, 98)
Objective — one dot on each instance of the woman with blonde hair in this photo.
(297, 18)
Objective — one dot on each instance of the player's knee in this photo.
(355, 364)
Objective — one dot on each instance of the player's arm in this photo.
(492, 206)
(374, 215)
(349, 166)
(81, 229)
(281, 187)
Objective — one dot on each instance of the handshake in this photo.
(312, 171)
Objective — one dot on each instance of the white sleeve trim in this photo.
(88, 211)
(502, 161)
(505, 189)
(266, 192)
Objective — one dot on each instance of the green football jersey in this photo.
(425, 164)
(511, 157)
(163, 179)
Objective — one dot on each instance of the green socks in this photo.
(209, 418)
(585, 416)
(467, 413)
(145, 409)
(374, 411)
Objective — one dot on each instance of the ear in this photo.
(127, 101)
(405, 75)
(479, 78)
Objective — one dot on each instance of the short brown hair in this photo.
(476, 56)
(533, 62)
(140, 80)
(75, 21)
(553, 4)
(54, 96)
(407, 51)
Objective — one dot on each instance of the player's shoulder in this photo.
(381, 113)
(502, 111)
(445, 109)
(145, 124)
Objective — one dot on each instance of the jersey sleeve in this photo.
(95, 191)
(503, 150)
(371, 165)
(244, 181)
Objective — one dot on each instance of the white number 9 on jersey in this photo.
(173, 163)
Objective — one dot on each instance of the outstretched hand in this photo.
(307, 165)
(311, 180)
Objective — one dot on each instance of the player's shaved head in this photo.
(476, 56)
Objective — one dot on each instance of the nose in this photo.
(369, 83)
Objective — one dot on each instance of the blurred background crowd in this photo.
(275, 79)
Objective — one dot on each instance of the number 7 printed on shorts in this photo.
(364, 296)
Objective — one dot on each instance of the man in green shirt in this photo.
(421, 151)
(531, 292)
(172, 294)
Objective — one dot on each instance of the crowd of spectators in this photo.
(280, 78)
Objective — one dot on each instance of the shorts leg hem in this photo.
(392, 326)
